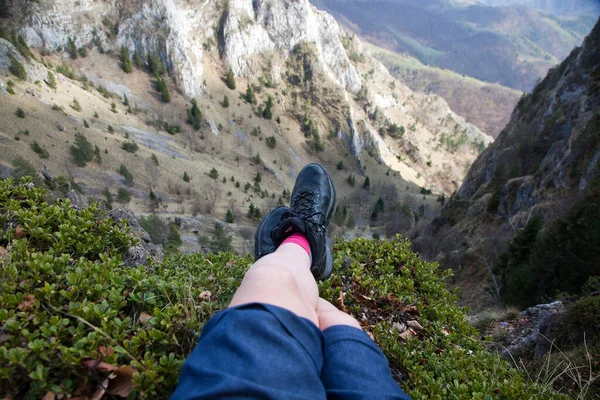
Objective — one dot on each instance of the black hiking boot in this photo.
(313, 200)
(263, 244)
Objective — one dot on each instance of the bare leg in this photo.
(282, 279)
(330, 316)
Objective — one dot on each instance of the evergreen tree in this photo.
(155, 64)
(194, 115)
(125, 100)
(126, 63)
(250, 97)
(161, 86)
(186, 177)
(220, 240)
(126, 174)
(17, 69)
(230, 79)
(82, 150)
(72, 49)
(225, 101)
(229, 217)
(367, 183)
(267, 112)
(51, 80)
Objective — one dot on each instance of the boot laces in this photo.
(304, 208)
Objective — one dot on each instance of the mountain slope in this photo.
(487, 106)
(513, 46)
(541, 174)
(328, 101)
(559, 8)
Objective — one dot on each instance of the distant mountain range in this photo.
(513, 46)
(560, 8)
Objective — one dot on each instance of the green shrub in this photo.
(126, 63)
(154, 159)
(127, 175)
(104, 92)
(75, 105)
(267, 112)
(125, 100)
(130, 147)
(250, 98)
(108, 198)
(186, 177)
(161, 87)
(97, 157)
(51, 80)
(340, 165)
(64, 70)
(225, 102)
(23, 168)
(20, 113)
(123, 195)
(219, 241)
(214, 174)
(367, 183)
(85, 124)
(351, 180)
(155, 64)
(40, 150)
(271, 142)
(230, 79)
(113, 107)
(110, 129)
(96, 115)
(72, 49)
(82, 51)
(77, 301)
(172, 129)
(17, 69)
(194, 115)
(82, 150)
(229, 217)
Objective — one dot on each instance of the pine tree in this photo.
(72, 49)
(250, 97)
(161, 86)
(186, 177)
(51, 80)
(17, 69)
(230, 79)
(82, 150)
(229, 217)
(195, 115)
(267, 112)
(220, 241)
(367, 183)
(225, 101)
(126, 63)
(125, 100)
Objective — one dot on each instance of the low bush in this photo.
(126, 174)
(76, 305)
(130, 147)
(123, 195)
(20, 113)
(40, 150)
(17, 69)
(82, 151)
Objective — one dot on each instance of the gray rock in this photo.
(78, 200)
(139, 254)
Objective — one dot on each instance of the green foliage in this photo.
(82, 150)
(40, 150)
(225, 102)
(377, 208)
(268, 112)
(126, 63)
(194, 115)
(258, 178)
(172, 129)
(96, 115)
(138, 60)
(586, 312)
(214, 174)
(155, 64)
(127, 175)
(395, 130)
(123, 195)
(219, 241)
(254, 212)
(51, 80)
(17, 69)
(108, 198)
(97, 157)
(230, 79)
(82, 51)
(256, 159)
(113, 107)
(271, 142)
(229, 217)
(110, 129)
(20, 113)
(148, 317)
(250, 97)
(162, 88)
(125, 100)
(186, 177)
(130, 147)
(75, 105)
(72, 49)
(154, 159)
(23, 168)
(367, 183)
(340, 165)
(351, 180)
(425, 191)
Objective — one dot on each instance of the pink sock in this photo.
(300, 240)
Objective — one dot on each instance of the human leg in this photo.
(354, 367)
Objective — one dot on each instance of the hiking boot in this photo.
(313, 200)
(263, 244)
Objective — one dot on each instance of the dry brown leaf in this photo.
(205, 295)
(340, 302)
(28, 302)
(144, 317)
(415, 325)
(19, 232)
(230, 264)
(406, 335)
(106, 351)
(50, 395)
(101, 366)
(122, 383)
(411, 310)
(3, 252)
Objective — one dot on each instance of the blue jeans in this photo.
(259, 351)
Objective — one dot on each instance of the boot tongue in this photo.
(286, 228)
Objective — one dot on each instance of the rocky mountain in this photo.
(560, 8)
(275, 84)
(524, 223)
(513, 46)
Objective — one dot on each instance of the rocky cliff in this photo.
(541, 165)
(261, 40)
